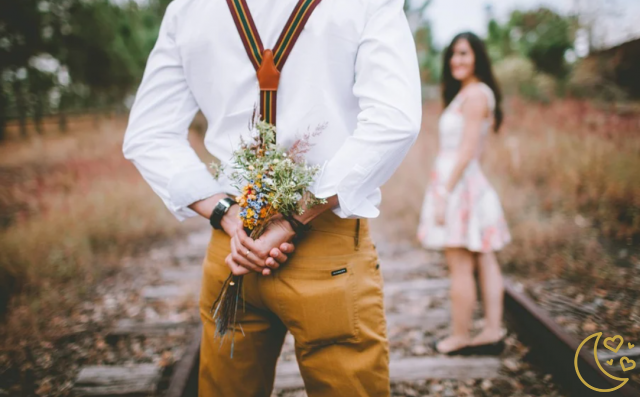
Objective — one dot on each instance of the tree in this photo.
(20, 39)
(541, 35)
(100, 46)
(545, 37)
(428, 55)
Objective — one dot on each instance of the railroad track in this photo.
(416, 290)
(556, 349)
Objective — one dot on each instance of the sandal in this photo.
(488, 349)
(462, 351)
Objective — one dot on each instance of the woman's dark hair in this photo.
(451, 86)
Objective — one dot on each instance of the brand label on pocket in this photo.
(338, 272)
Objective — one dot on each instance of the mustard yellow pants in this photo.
(328, 295)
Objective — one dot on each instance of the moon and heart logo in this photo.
(614, 344)
(606, 341)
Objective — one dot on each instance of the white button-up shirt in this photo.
(354, 67)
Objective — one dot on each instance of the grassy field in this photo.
(70, 207)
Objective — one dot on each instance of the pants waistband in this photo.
(331, 223)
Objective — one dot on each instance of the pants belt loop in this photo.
(357, 236)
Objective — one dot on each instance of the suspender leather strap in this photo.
(268, 63)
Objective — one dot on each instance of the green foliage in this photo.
(101, 46)
(541, 35)
(107, 47)
(428, 55)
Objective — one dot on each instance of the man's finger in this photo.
(287, 248)
(247, 252)
(272, 263)
(250, 244)
(278, 255)
(235, 269)
(241, 260)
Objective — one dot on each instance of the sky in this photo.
(617, 20)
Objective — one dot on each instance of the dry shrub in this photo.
(75, 207)
(567, 177)
(581, 170)
(567, 183)
(545, 87)
(518, 76)
(595, 78)
(513, 73)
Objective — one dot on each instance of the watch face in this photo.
(225, 204)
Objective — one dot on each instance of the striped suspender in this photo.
(268, 63)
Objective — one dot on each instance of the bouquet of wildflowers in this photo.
(273, 180)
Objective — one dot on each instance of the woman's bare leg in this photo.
(463, 298)
(491, 284)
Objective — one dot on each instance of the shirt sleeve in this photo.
(387, 85)
(156, 140)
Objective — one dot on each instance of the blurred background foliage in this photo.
(61, 57)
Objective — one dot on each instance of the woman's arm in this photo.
(474, 110)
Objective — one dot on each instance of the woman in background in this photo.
(462, 214)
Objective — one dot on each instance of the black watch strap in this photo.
(219, 211)
(298, 227)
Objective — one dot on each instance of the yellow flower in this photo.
(250, 213)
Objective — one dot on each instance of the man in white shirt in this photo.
(354, 68)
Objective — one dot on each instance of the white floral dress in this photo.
(474, 218)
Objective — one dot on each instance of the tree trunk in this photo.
(3, 114)
(38, 113)
(21, 107)
(62, 117)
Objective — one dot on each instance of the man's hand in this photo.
(265, 253)
(231, 222)
(270, 250)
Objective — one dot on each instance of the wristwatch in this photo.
(219, 211)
